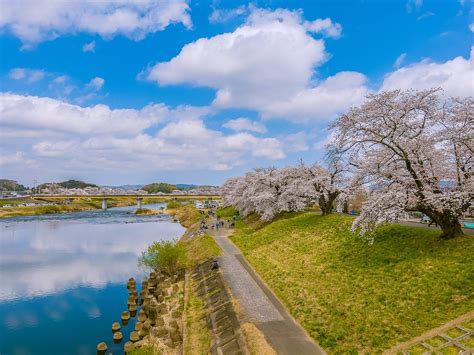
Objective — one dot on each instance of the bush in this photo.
(173, 204)
(167, 256)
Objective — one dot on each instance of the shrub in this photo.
(173, 204)
(166, 256)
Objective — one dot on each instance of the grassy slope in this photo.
(187, 214)
(351, 296)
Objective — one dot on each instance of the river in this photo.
(63, 277)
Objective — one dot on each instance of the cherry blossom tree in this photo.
(270, 191)
(415, 152)
(329, 186)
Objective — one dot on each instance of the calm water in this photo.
(63, 277)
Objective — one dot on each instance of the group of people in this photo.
(219, 222)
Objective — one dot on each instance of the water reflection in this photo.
(67, 273)
(43, 256)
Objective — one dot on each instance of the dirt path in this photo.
(258, 303)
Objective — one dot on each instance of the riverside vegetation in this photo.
(166, 290)
(52, 205)
(354, 297)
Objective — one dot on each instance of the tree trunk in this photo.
(451, 228)
(327, 206)
(448, 223)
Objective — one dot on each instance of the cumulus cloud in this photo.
(56, 115)
(34, 21)
(323, 101)
(471, 27)
(325, 27)
(89, 47)
(68, 137)
(455, 76)
(30, 75)
(244, 124)
(267, 64)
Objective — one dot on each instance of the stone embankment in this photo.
(159, 322)
(221, 318)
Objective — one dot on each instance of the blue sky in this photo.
(198, 91)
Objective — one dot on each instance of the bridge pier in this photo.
(104, 203)
(139, 203)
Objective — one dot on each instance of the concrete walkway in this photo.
(259, 305)
(415, 223)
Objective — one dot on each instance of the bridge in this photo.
(139, 198)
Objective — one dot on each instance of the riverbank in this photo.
(53, 205)
(354, 297)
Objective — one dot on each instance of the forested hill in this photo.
(10, 185)
(159, 187)
(71, 184)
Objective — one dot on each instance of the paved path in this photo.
(259, 305)
(413, 223)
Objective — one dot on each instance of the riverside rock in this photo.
(118, 336)
(164, 309)
(125, 315)
(173, 324)
(115, 326)
(159, 321)
(101, 348)
(176, 313)
(128, 346)
(134, 336)
(142, 316)
(138, 326)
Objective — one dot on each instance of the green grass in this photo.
(172, 205)
(226, 212)
(145, 350)
(354, 297)
(199, 249)
(198, 336)
(187, 214)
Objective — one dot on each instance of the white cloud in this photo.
(34, 21)
(244, 124)
(455, 76)
(399, 61)
(322, 102)
(325, 27)
(89, 47)
(30, 75)
(267, 64)
(46, 113)
(68, 137)
(471, 27)
(95, 84)
(297, 142)
(224, 15)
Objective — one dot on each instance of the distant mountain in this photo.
(69, 184)
(11, 185)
